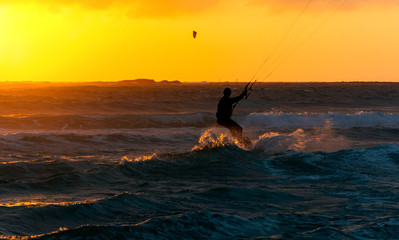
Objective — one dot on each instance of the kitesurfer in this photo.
(225, 111)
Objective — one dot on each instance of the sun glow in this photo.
(111, 41)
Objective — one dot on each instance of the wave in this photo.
(216, 176)
(281, 120)
(74, 213)
(215, 154)
(94, 142)
(278, 120)
(321, 139)
(378, 163)
(195, 225)
(215, 225)
(107, 121)
(173, 140)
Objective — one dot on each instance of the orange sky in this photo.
(111, 40)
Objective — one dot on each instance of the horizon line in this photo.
(179, 81)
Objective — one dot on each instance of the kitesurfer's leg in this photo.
(235, 129)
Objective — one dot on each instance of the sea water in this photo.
(150, 162)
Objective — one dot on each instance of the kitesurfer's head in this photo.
(227, 92)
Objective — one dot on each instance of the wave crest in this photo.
(305, 120)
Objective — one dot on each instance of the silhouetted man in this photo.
(225, 110)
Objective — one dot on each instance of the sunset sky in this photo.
(111, 40)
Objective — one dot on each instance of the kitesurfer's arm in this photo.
(237, 99)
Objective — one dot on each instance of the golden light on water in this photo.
(36, 202)
(209, 139)
(41, 204)
(139, 159)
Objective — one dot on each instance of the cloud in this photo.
(150, 8)
(98, 4)
(171, 8)
(166, 8)
(317, 5)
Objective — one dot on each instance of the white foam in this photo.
(321, 140)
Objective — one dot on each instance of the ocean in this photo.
(149, 162)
